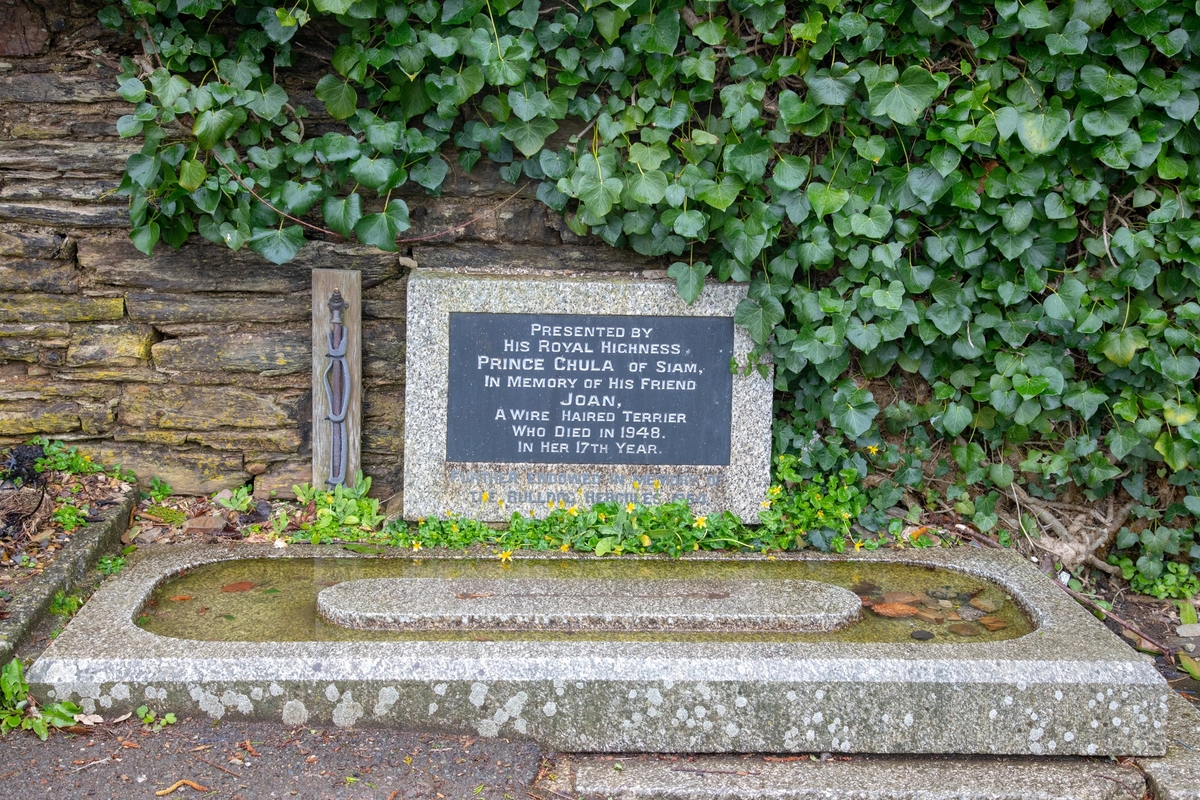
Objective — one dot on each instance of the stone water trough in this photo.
(601, 660)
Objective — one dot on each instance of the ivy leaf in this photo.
(1179, 369)
(1122, 440)
(1174, 451)
(528, 136)
(381, 229)
(872, 225)
(825, 199)
(342, 213)
(192, 174)
(689, 278)
(890, 298)
(132, 90)
(431, 173)
(660, 35)
(298, 198)
(1071, 42)
(905, 99)
(1041, 132)
(378, 173)
(749, 159)
(142, 169)
(1176, 413)
(144, 237)
(1034, 14)
(791, 172)
(955, 419)
(212, 127)
(690, 224)
(278, 245)
(723, 193)
(647, 187)
(334, 6)
(759, 317)
(1120, 347)
(339, 97)
(854, 410)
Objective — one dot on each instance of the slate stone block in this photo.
(199, 408)
(56, 308)
(38, 418)
(271, 352)
(38, 275)
(189, 308)
(114, 345)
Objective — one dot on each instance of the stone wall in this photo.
(194, 365)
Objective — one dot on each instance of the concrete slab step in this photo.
(844, 778)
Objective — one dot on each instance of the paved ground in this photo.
(252, 761)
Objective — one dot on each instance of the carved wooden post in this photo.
(336, 375)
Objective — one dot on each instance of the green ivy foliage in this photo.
(995, 197)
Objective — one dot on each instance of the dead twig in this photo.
(94, 763)
(218, 766)
(1126, 624)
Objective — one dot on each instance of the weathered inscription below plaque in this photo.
(600, 604)
(589, 389)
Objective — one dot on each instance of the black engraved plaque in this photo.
(589, 389)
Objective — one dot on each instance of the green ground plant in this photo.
(111, 565)
(344, 512)
(965, 223)
(19, 711)
(152, 721)
(240, 499)
(69, 516)
(159, 491)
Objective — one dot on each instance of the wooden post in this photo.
(326, 438)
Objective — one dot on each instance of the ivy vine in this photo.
(995, 197)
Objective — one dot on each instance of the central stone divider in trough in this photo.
(572, 604)
(1068, 688)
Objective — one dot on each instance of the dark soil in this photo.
(250, 761)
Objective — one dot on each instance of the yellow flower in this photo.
(820, 515)
(775, 490)
(420, 520)
(656, 484)
(565, 546)
(701, 522)
(531, 513)
(416, 546)
(549, 504)
(454, 528)
(637, 485)
(562, 503)
(500, 502)
(629, 508)
(858, 545)
(506, 557)
(484, 497)
(573, 511)
(603, 517)
(845, 515)
(872, 449)
(765, 504)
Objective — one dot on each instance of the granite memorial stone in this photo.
(531, 392)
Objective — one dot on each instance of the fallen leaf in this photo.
(121, 718)
(310, 760)
(202, 611)
(240, 586)
(202, 747)
(130, 745)
(180, 598)
(1189, 665)
(897, 610)
(207, 524)
(88, 719)
(984, 605)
